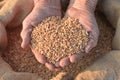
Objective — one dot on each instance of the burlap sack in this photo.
(6, 73)
(12, 13)
(7, 10)
(105, 68)
(111, 9)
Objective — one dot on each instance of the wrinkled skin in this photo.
(45, 9)
(42, 7)
(77, 9)
(107, 65)
(36, 11)
(85, 14)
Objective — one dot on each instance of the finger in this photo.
(90, 45)
(58, 69)
(74, 58)
(50, 66)
(64, 62)
(40, 58)
(65, 16)
(57, 64)
(26, 36)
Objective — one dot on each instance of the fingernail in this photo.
(64, 62)
(50, 66)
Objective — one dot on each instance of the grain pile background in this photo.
(57, 38)
(23, 60)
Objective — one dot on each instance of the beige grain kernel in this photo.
(57, 38)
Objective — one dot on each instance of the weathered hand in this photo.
(84, 11)
(42, 9)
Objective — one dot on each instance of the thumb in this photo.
(91, 44)
(26, 35)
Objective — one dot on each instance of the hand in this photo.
(42, 9)
(85, 14)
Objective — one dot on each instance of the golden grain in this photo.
(56, 38)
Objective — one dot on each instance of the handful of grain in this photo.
(57, 38)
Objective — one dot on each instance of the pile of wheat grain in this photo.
(57, 38)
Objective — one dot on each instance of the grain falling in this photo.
(57, 38)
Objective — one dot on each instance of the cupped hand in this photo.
(45, 9)
(87, 19)
(42, 9)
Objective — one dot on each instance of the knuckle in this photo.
(93, 43)
(26, 23)
(25, 32)
(89, 28)
(22, 33)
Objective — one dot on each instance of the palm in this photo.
(39, 12)
(88, 21)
